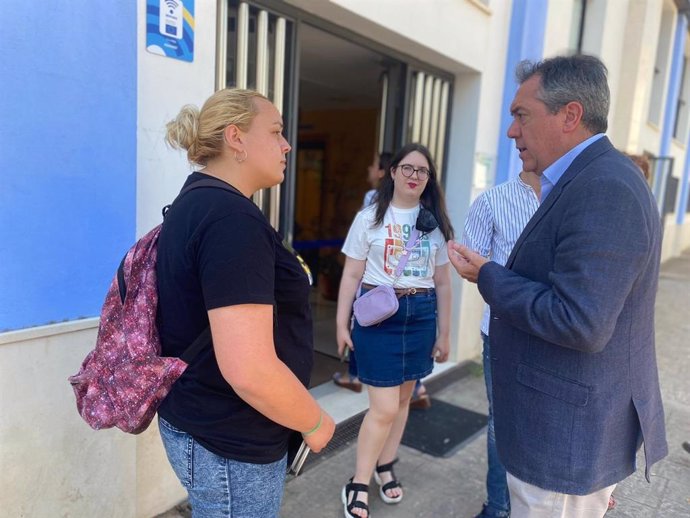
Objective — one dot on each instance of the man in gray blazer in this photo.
(575, 382)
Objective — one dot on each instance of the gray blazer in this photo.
(575, 381)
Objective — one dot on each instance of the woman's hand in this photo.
(343, 339)
(352, 274)
(441, 349)
(318, 440)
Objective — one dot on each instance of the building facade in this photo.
(83, 125)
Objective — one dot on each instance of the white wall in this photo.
(492, 83)
(450, 34)
(557, 34)
(52, 463)
(605, 22)
(164, 86)
(464, 332)
(628, 128)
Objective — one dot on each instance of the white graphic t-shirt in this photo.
(382, 247)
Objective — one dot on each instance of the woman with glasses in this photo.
(409, 219)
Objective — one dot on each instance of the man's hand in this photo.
(466, 262)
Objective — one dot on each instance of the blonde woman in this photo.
(226, 422)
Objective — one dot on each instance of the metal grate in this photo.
(345, 434)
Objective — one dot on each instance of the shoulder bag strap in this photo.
(414, 235)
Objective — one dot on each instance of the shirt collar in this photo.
(554, 172)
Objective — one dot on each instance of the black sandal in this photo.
(356, 487)
(393, 484)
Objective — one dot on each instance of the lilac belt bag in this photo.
(380, 303)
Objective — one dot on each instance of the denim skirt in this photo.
(399, 348)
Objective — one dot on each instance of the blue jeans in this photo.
(498, 499)
(220, 487)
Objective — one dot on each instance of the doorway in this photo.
(340, 129)
(343, 100)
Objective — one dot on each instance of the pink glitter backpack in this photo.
(123, 381)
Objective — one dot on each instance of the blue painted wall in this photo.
(526, 41)
(67, 155)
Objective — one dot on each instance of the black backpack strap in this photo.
(121, 280)
(197, 345)
(204, 338)
(206, 182)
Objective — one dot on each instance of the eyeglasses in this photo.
(422, 172)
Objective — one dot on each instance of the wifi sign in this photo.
(171, 18)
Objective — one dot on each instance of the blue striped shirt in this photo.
(496, 220)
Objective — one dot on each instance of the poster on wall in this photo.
(170, 28)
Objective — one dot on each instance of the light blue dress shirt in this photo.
(554, 172)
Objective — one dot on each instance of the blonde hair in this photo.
(201, 133)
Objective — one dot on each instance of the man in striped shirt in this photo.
(493, 225)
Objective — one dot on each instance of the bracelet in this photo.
(316, 428)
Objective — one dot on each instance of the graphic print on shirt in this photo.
(394, 245)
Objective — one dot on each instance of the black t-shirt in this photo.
(217, 249)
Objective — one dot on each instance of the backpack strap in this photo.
(206, 182)
(204, 338)
(197, 345)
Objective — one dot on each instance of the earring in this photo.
(240, 160)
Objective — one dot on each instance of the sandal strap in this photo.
(393, 484)
(386, 467)
(357, 504)
(357, 487)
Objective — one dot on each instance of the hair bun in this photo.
(181, 132)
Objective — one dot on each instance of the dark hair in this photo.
(566, 79)
(385, 160)
(432, 198)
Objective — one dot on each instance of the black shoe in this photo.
(489, 514)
